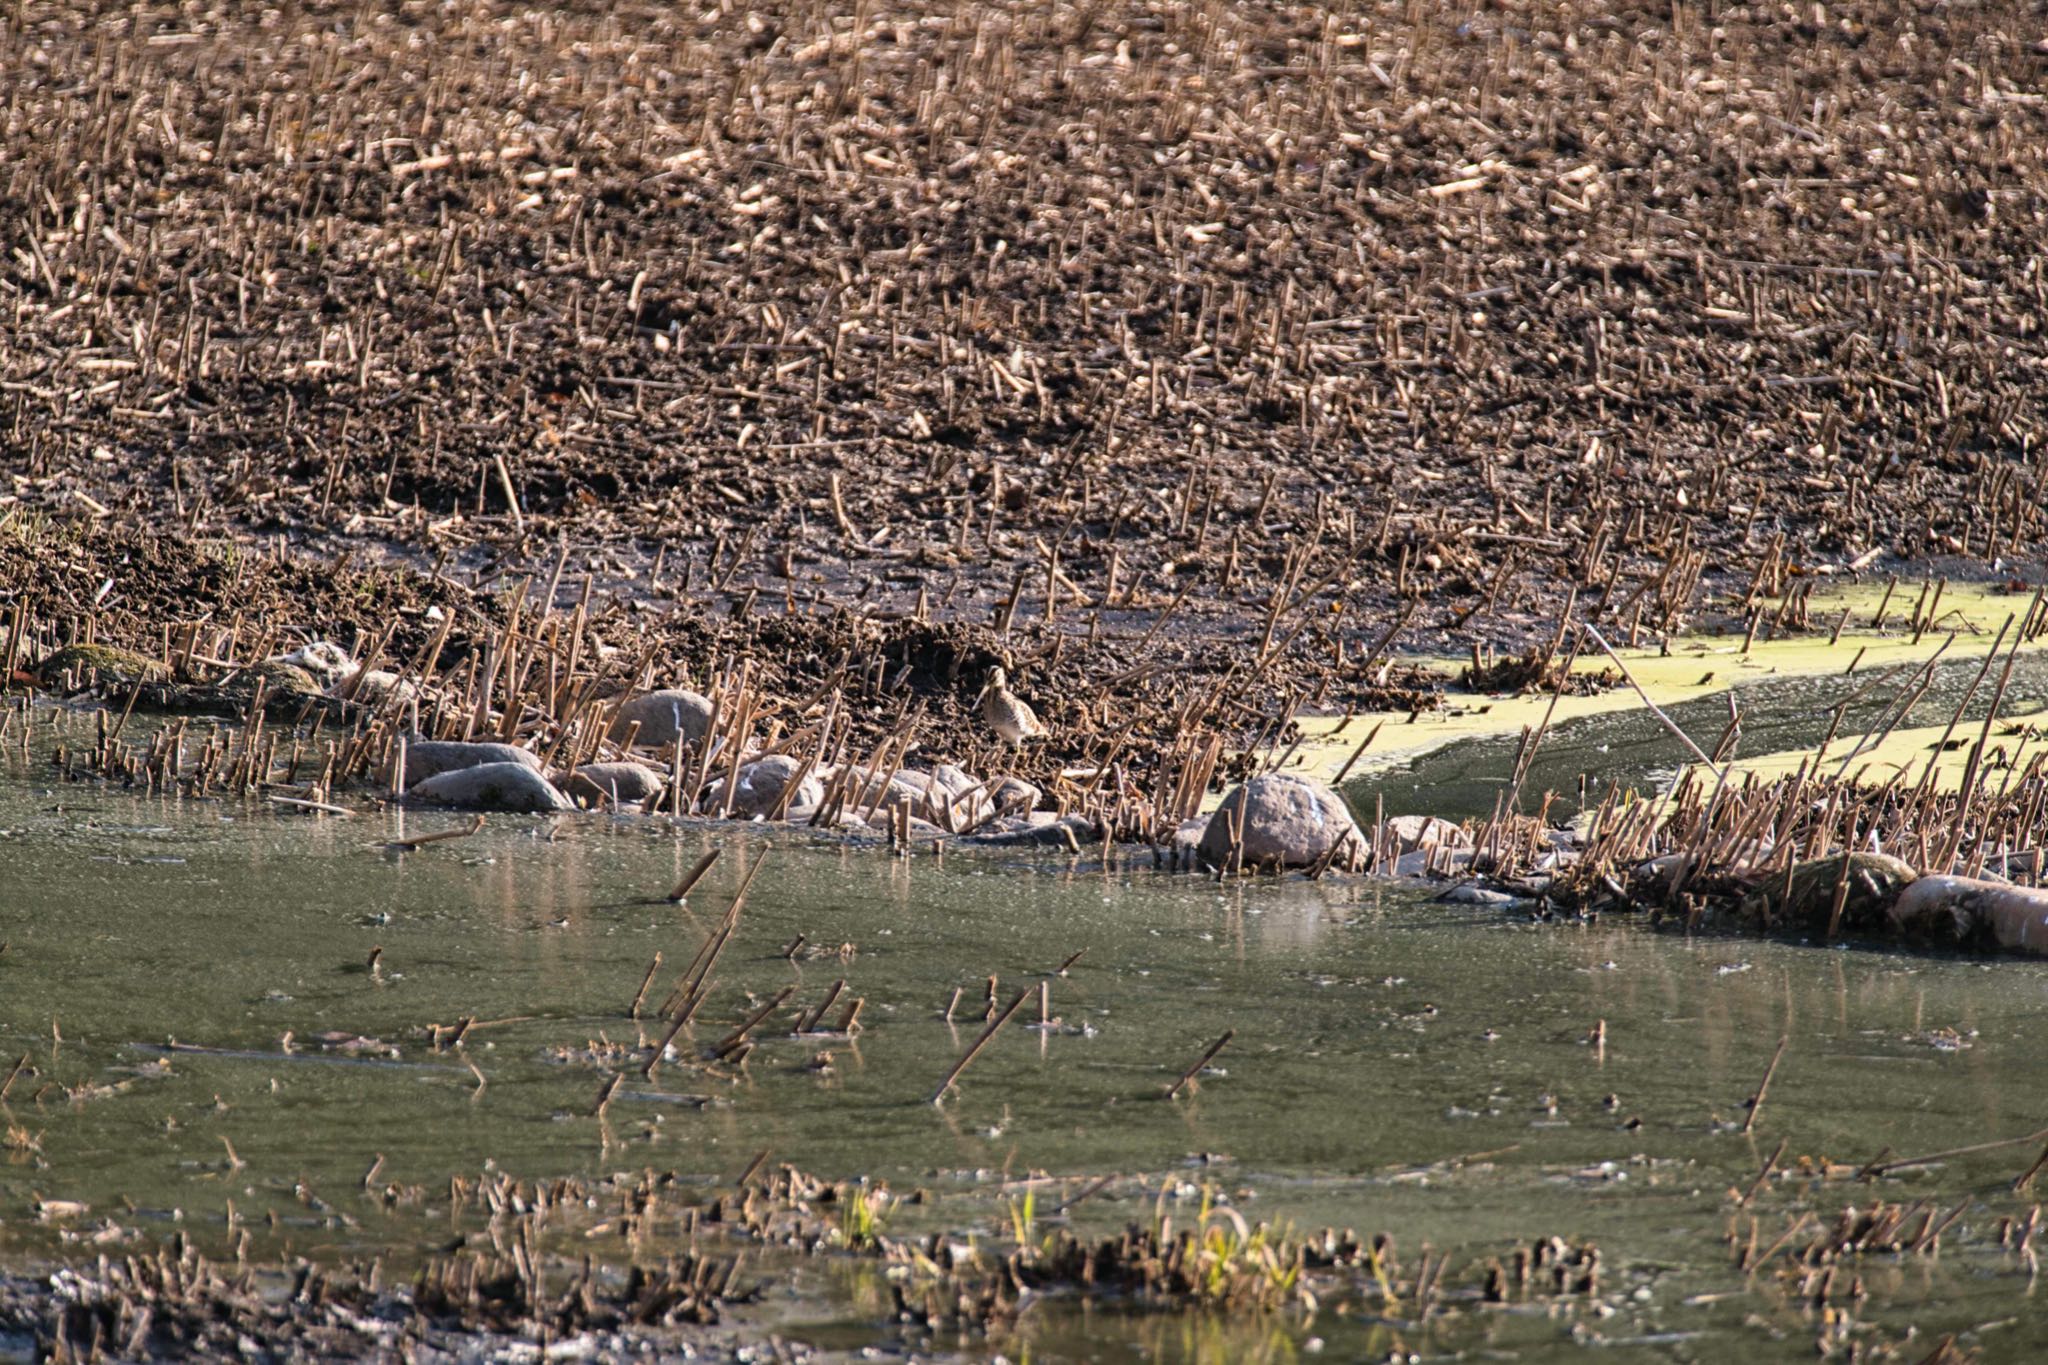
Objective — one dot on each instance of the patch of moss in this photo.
(84, 663)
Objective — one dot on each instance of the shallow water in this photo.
(1398, 1064)
(1631, 748)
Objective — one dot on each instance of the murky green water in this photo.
(1398, 1065)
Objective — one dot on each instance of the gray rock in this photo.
(663, 715)
(1015, 794)
(954, 781)
(903, 789)
(1286, 820)
(612, 783)
(493, 787)
(762, 783)
(1424, 861)
(952, 797)
(1471, 893)
(425, 758)
(1423, 831)
(1070, 834)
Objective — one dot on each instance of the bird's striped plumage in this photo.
(1008, 714)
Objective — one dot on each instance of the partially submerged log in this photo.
(1971, 910)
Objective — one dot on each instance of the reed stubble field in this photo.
(1154, 348)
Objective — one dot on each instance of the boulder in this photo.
(494, 787)
(761, 784)
(1285, 820)
(953, 798)
(902, 789)
(662, 716)
(425, 758)
(82, 664)
(281, 679)
(1070, 834)
(954, 781)
(1874, 883)
(1424, 862)
(1015, 794)
(1427, 831)
(615, 784)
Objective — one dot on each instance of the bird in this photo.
(1008, 714)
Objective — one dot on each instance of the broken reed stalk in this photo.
(1896, 714)
(1511, 805)
(694, 875)
(1206, 1058)
(1356, 754)
(994, 1027)
(1756, 1101)
(640, 995)
(1655, 710)
(753, 1167)
(1770, 1164)
(675, 1028)
(1956, 717)
(692, 987)
(2025, 1139)
(409, 845)
(739, 1035)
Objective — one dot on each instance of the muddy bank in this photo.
(205, 614)
(738, 310)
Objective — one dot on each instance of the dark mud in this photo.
(1126, 306)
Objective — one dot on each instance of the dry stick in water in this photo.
(1897, 714)
(739, 1035)
(695, 874)
(2021, 1185)
(641, 995)
(1956, 718)
(1356, 754)
(1207, 1057)
(753, 1167)
(1874, 1168)
(995, 1025)
(408, 845)
(1655, 709)
(1756, 1102)
(1528, 754)
(682, 1021)
(714, 942)
(1764, 1174)
(19, 1067)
